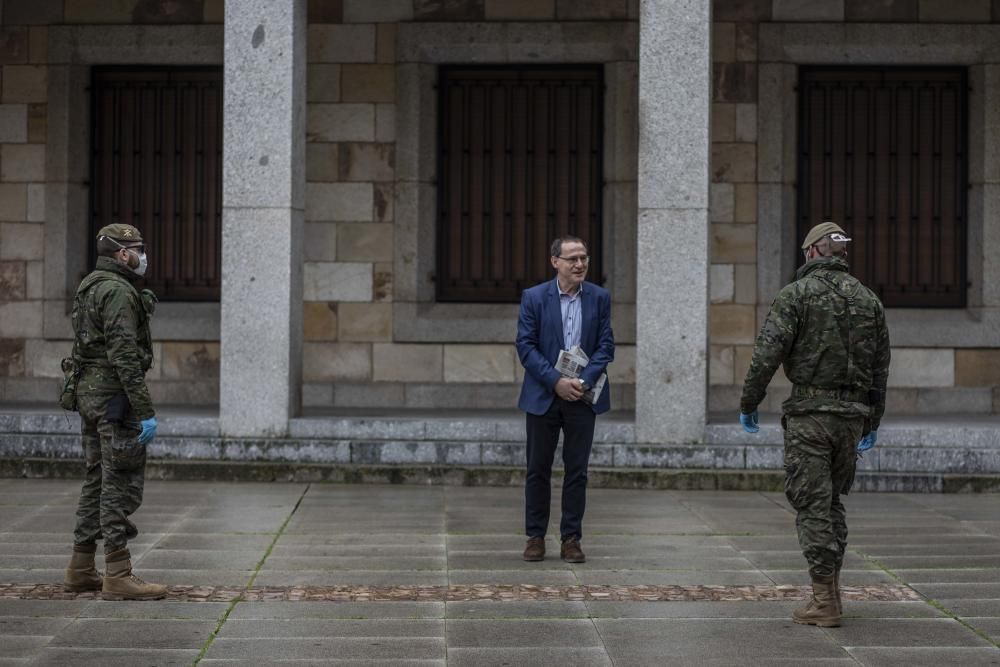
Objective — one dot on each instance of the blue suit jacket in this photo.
(540, 338)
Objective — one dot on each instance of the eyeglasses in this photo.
(582, 259)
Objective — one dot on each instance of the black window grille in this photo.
(883, 152)
(520, 163)
(156, 163)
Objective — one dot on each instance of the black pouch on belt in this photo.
(117, 408)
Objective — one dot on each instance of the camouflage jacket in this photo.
(829, 331)
(113, 343)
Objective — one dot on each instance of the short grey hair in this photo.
(556, 248)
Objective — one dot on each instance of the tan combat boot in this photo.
(81, 575)
(121, 584)
(821, 609)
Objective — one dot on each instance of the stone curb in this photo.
(454, 475)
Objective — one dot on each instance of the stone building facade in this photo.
(330, 202)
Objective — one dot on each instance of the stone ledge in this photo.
(943, 446)
(138, 44)
(600, 41)
(617, 478)
(406, 452)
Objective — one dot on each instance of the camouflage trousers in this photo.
(820, 460)
(115, 478)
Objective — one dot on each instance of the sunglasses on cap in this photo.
(140, 247)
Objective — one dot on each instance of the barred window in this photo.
(519, 163)
(883, 152)
(156, 163)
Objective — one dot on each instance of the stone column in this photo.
(672, 276)
(262, 216)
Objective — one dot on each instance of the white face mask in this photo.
(143, 263)
(141, 269)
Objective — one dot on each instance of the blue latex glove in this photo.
(749, 422)
(868, 441)
(148, 430)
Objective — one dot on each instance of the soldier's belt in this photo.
(851, 395)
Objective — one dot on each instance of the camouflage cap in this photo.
(120, 232)
(824, 229)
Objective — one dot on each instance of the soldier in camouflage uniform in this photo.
(829, 331)
(111, 354)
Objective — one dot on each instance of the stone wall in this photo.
(34, 331)
(371, 337)
(930, 372)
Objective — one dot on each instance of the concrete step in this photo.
(938, 446)
(458, 475)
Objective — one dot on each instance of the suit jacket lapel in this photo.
(554, 313)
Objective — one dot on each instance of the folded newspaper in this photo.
(571, 364)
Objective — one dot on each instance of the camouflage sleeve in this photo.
(120, 312)
(880, 372)
(771, 347)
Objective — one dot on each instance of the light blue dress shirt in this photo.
(572, 316)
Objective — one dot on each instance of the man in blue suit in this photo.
(558, 315)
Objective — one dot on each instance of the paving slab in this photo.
(225, 543)
(799, 577)
(415, 542)
(359, 549)
(351, 538)
(348, 610)
(318, 648)
(104, 657)
(979, 591)
(780, 610)
(972, 607)
(352, 577)
(141, 634)
(950, 576)
(943, 562)
(23, 646)
(793, 559)
(550, 609)
(314, 627)
(371, 562)
(926, 657)
(178, 577)
(213, 662)
(531, 633)
(29, 575)
(913, 632)
(988, 626)
(199, 559)
(31, 625)
(630, 641)
(644, 660)
(672, 577)
(527, 657)
(981, 547)
(43, 608)
(540, 577)
(145, 610)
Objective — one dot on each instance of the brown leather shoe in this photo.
(535, 549)
(571, 551)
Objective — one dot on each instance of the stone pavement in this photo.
(409, 575)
